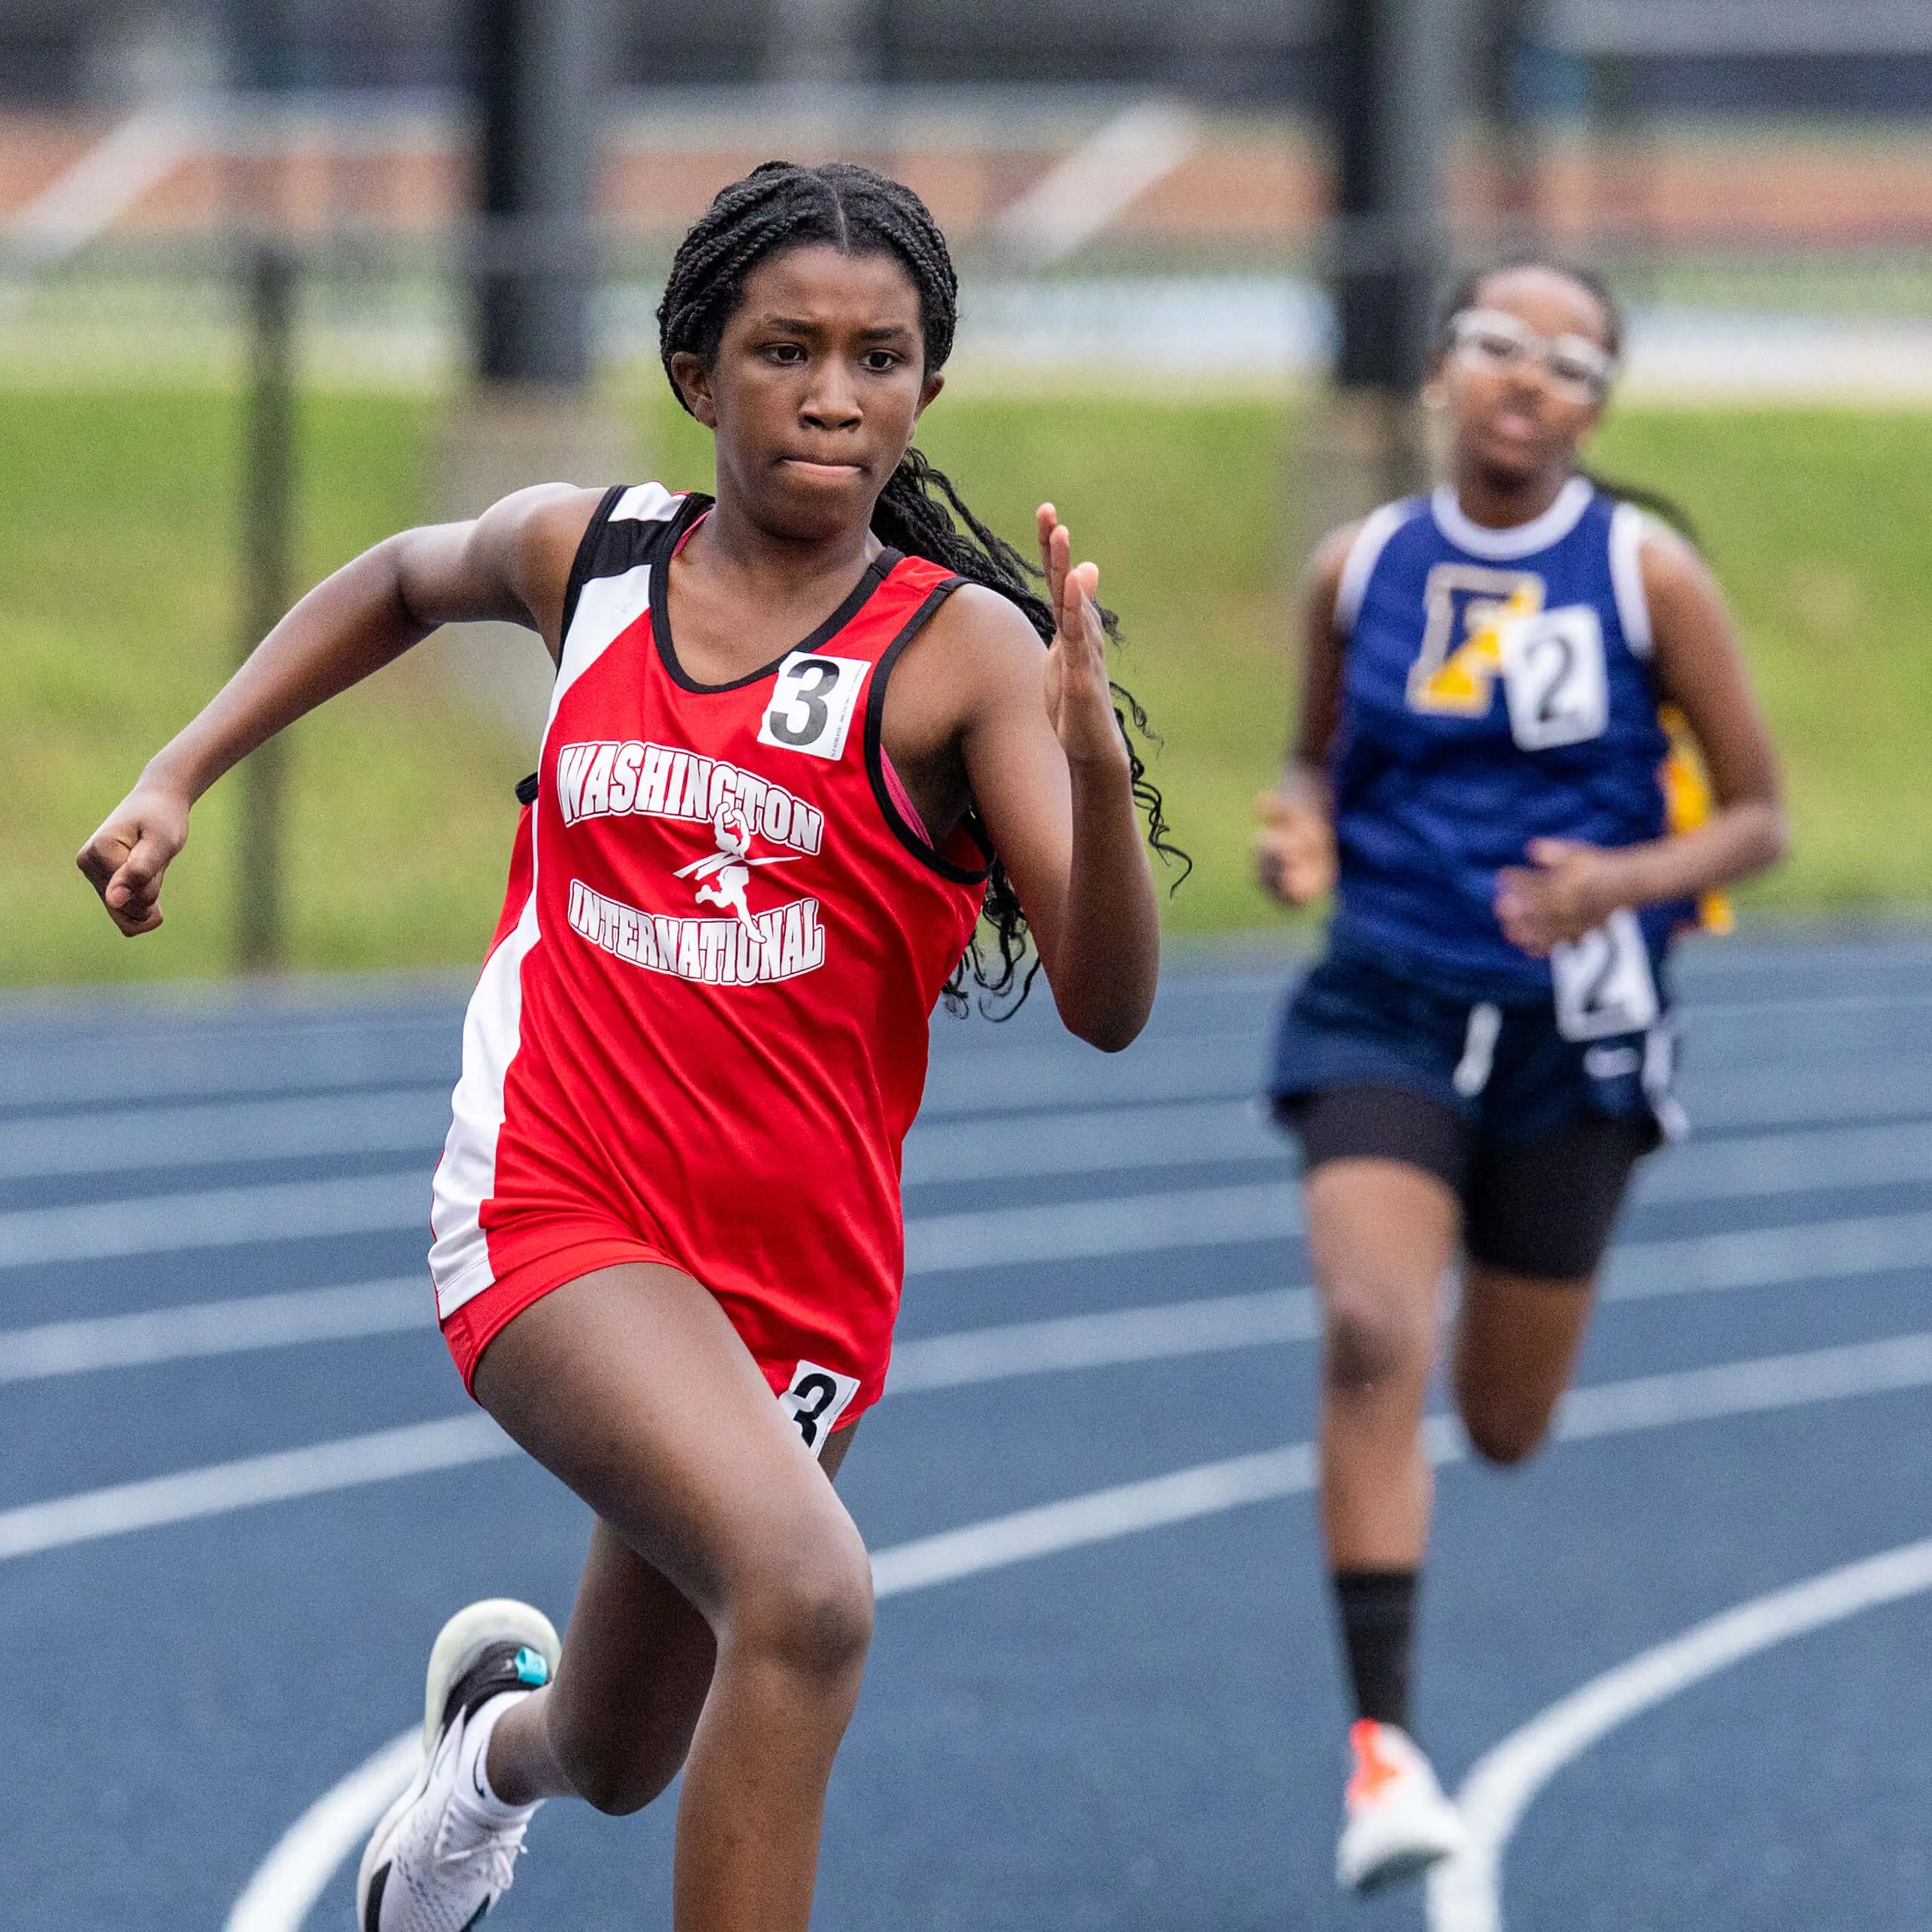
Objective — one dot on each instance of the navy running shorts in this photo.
(1536, 1135)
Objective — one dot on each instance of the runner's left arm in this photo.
(1047, 765)
(1568, 888)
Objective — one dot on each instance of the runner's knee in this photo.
(616, 1776)
(1504, 1430)
(1371, 1341)
(810, 1612)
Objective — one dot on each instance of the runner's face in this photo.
(1517, 423)
(816, 390)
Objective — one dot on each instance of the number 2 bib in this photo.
(1603, 982)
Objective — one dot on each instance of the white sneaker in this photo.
(442, 1857)
(1399, 1823)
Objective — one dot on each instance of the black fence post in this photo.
(536, 68)
(1396, 83)
(267, 574)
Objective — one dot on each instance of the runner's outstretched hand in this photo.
(1080, 703)
(126, 860)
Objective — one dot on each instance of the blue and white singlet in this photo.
(1496, 689)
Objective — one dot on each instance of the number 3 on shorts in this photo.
(1603, 981)
(815, 1401)
(812, 703)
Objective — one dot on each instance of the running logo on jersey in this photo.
(606, 779)
(721, 878)
(1455, 672)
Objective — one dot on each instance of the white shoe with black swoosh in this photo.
(442, 1857)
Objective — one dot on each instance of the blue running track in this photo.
(1109, 1701)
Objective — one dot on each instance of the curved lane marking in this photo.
(284, 1890)
(1465, 1894)
(286, 1887)
(1099, 1140)
(287, 1883)
(197, 1329)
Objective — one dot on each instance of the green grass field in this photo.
(117, 584)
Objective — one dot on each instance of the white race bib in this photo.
(1603, 981)
(816, 1400)
(1553, 677)
(811, 706)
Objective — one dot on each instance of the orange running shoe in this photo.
(1398, 1821)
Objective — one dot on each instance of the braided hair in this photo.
(1467, 293)
(782, 205)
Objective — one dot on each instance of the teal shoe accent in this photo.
(531, 1668)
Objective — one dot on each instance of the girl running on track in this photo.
(1476, 1066)
(801, 737)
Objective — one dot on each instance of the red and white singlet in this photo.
(700, 1034)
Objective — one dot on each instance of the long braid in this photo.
(780, 205)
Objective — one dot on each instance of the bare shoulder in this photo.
(978, 658)
(528, 541)
(981, 638)
(979, 617)
(1329, 557)
(534, 526)
(1321, 582)
(1669, 561)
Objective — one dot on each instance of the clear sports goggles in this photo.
(1498, 343)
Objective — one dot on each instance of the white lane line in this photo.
(286, 1887)
(198, 1329)
(218, 1218)
(1085, 1141)
(410, 1120)
(1769, 1257)
(1805, 1162)
(1754, 1387)
(1095, 1140)
(1072, 1342)
(988, 1237)
(295, 1875)
(1100, 1516)
(214, 1491)
(1104, 1137)
(1466, 1895)
(110, 1066)
(228, 1217)
(1091, 1140)
(1089, 1230)
(413, 1120)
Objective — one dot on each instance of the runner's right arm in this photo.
(511, 564)
(1294, 849)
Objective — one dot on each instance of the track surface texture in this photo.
(1123, 1714)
